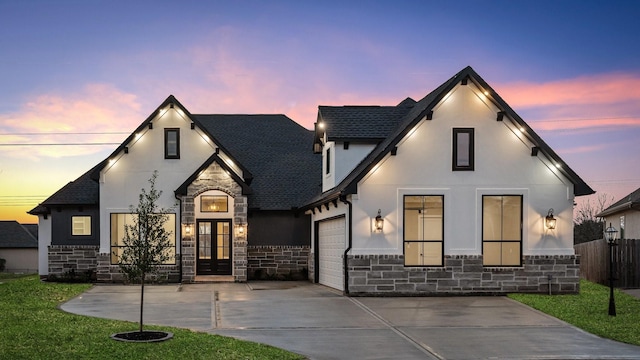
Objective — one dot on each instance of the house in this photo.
(454, 193)
(624, 215)
(451, 194)
(232, 182)
(19, 247)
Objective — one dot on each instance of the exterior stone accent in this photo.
(214, 177)
(106, 272)
(278, 262)
(386, 275)
(312, 266)
(77, 258)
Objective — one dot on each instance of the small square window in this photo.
(463, 154)
(172, 143)
(81, 225)
(214, 203)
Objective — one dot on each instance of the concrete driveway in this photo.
(317, 322)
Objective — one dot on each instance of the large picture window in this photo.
(463, 155)
(172, 143)
(118, 222)
(81, 225)
(502, 230)
(423, 230)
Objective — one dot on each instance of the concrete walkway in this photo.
(322, 324)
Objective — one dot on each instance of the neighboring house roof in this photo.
(631, 201)
(424, 108)
(82, 191)
(276, 150)
(14, 235)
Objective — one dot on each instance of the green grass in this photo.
(589, 311)
(32, 327)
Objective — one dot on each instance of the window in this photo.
(622, 227)
(214, 203)
(502, 230)
(328, 161)
(81, 225)
(118, 223)
(423, 230)
(463, 149)
(172, 143)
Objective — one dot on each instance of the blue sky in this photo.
(571, 69)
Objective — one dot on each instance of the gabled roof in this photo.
(171, 102)
(82, 191)
(276, 150)
(424, 108)
(14, 235)
(215, 158)
(631, 201)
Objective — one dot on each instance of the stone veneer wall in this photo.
(277, 262)
(106, 272)
(214, 178)
(380, 275)
(312, 267)
(65, 258)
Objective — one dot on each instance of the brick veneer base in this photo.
(386, 275)
(67, 258)
(277, 262)
(106, 272)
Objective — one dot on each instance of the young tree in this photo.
(146, 241)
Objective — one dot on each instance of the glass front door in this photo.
(213, 247)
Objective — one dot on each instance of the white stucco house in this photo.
(451, 194)
(624, 216)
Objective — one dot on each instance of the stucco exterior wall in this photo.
(503, 166)
(20, 260)
(44, 241)
(631, 223)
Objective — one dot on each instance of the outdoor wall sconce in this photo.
(187, 229)
(550, 221)
(378, 222)
(241, 229)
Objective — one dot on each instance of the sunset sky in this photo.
(89, 72)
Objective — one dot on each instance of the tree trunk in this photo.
(141, 298)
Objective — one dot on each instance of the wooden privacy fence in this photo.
(594, 262)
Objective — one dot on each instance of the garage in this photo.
(331, 244)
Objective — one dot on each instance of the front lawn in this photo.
(589, 311)
(34, 328)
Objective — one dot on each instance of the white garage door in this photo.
(331, 245)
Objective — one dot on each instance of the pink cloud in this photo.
(97, 108)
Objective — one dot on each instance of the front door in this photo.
(213, 247)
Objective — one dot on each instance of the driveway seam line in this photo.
(420, 346)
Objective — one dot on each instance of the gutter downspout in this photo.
(343, 198)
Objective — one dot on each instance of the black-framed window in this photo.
(423, 230)
(214, 203)
(328, 161)
(502, 230)
(81, 225)
(172, 143)
(118, 223)
(463, 153)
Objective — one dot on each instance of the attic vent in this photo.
(464, 81)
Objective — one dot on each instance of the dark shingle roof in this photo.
(14, 235)
(81, 191)
(361, 122)
(275, 150)
(631, 201)
(423, 108)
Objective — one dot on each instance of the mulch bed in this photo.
(144, 336)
